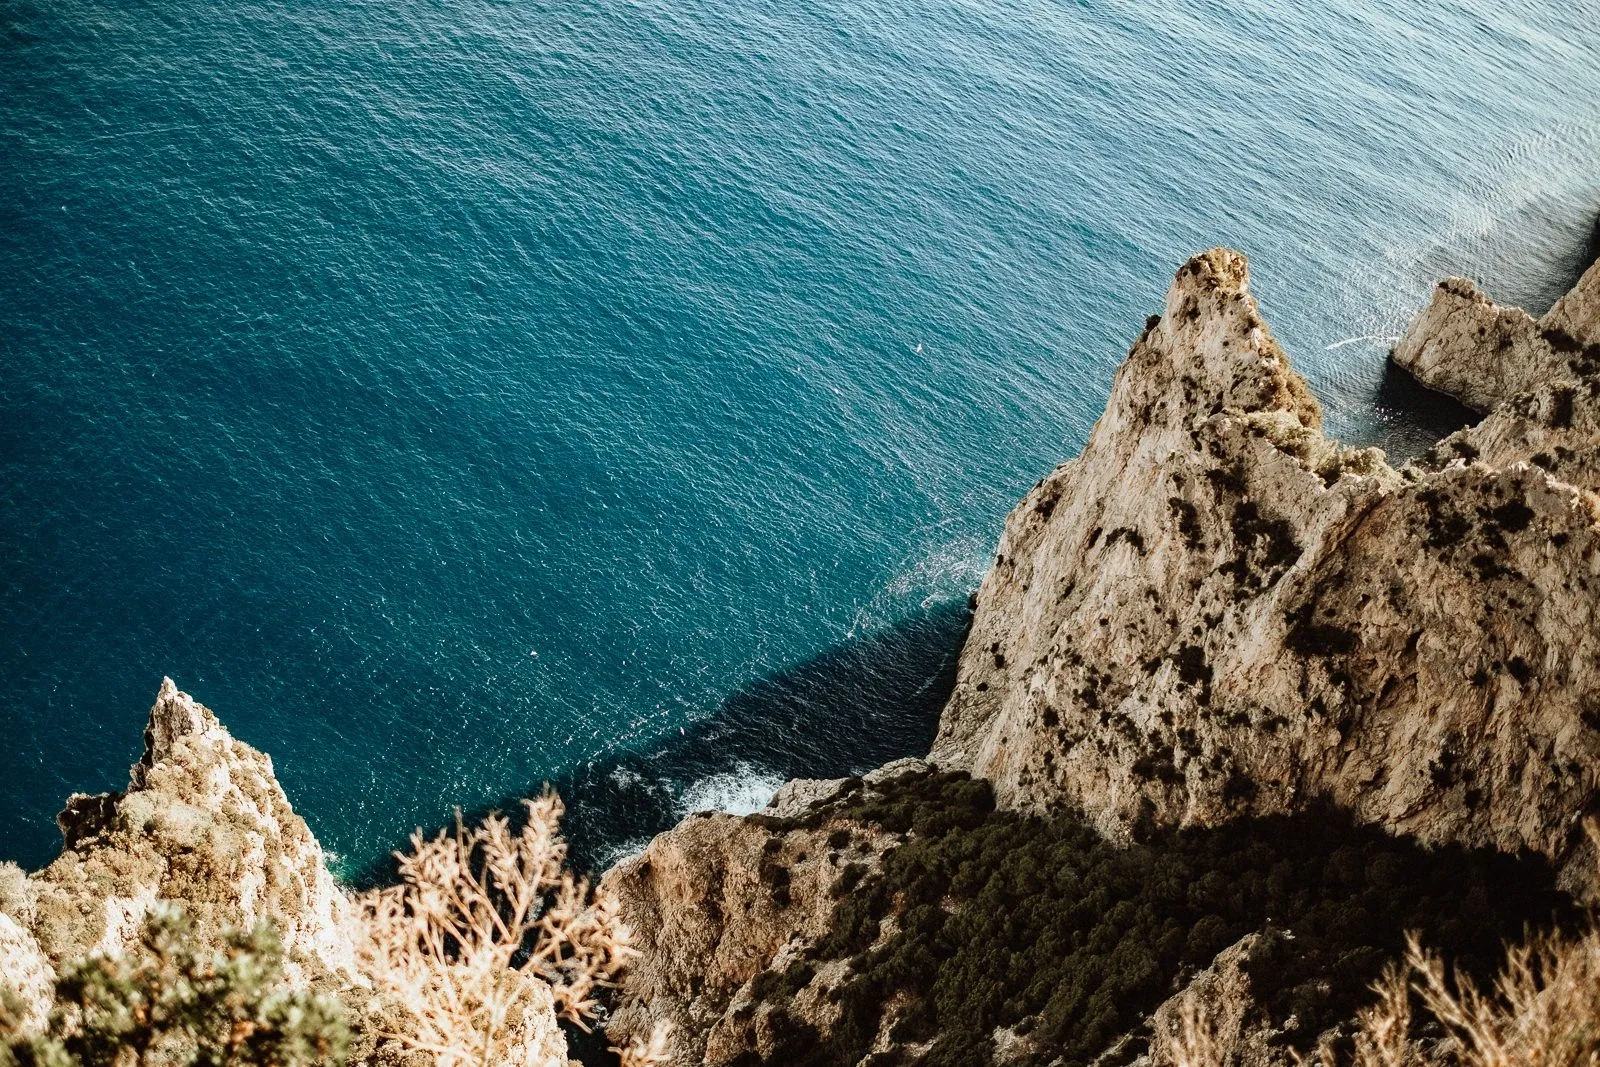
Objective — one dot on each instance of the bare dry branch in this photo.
(485, 932)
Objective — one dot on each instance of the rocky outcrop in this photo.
(27, 981)
(1553, 422)
(1217, 1009)
(1482, 354)
(1577, 314)
(1216, 611)
(203, 825)
(1213, 612)
(720, 901)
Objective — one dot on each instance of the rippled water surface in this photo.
(457, 396)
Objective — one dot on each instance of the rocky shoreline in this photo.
(1215, 620)
(1215, 613)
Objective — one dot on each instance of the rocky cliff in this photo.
(204, 825)
(1215, 610)
(1238, 707)
(1216, 613)
(1484, 355)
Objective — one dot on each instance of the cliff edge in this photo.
(1216, 611)
(1239, 706)
(1214, 616)
(203, 825)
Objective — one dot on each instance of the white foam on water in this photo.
(617, 853)
(945, 570)
(625, 778)
(741, 791)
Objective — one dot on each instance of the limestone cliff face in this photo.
(203, 825)
(1216, 611)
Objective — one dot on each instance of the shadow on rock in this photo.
(1420, 417)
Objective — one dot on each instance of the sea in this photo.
(628, 394)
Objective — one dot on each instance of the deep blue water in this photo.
(456, 396)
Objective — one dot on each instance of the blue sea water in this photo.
(456, 396)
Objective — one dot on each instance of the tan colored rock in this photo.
(1466, 345)
(1553, 427)
(717, 901)
(1483, 354)
(1578, 313)
(27, 979)
(1219, 1003)
(1215, 611)
(205, 825)
(538, 1040)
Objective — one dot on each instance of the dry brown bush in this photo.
(646, 1052)
(1542, 1011)
(484, 932)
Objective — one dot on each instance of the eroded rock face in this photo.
(27, 981)
(204, 825)
(1215, 611)
(1483, 354)
(719, 901)
(1220, 1004)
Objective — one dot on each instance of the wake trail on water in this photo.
(1375, 338)
(1518, 228)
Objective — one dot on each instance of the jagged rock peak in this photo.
(203, 824)
(174, 716)
(1210, 351)
(1216, 611)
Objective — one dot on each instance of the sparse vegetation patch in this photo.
(1041, 925)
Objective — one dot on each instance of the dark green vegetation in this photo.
(171, 1001)
(1009, 920)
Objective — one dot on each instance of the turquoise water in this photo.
(459, 396)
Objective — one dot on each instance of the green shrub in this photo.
(1055, 925)
(174, 1001)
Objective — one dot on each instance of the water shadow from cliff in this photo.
(853, 707)
(1414, 417)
